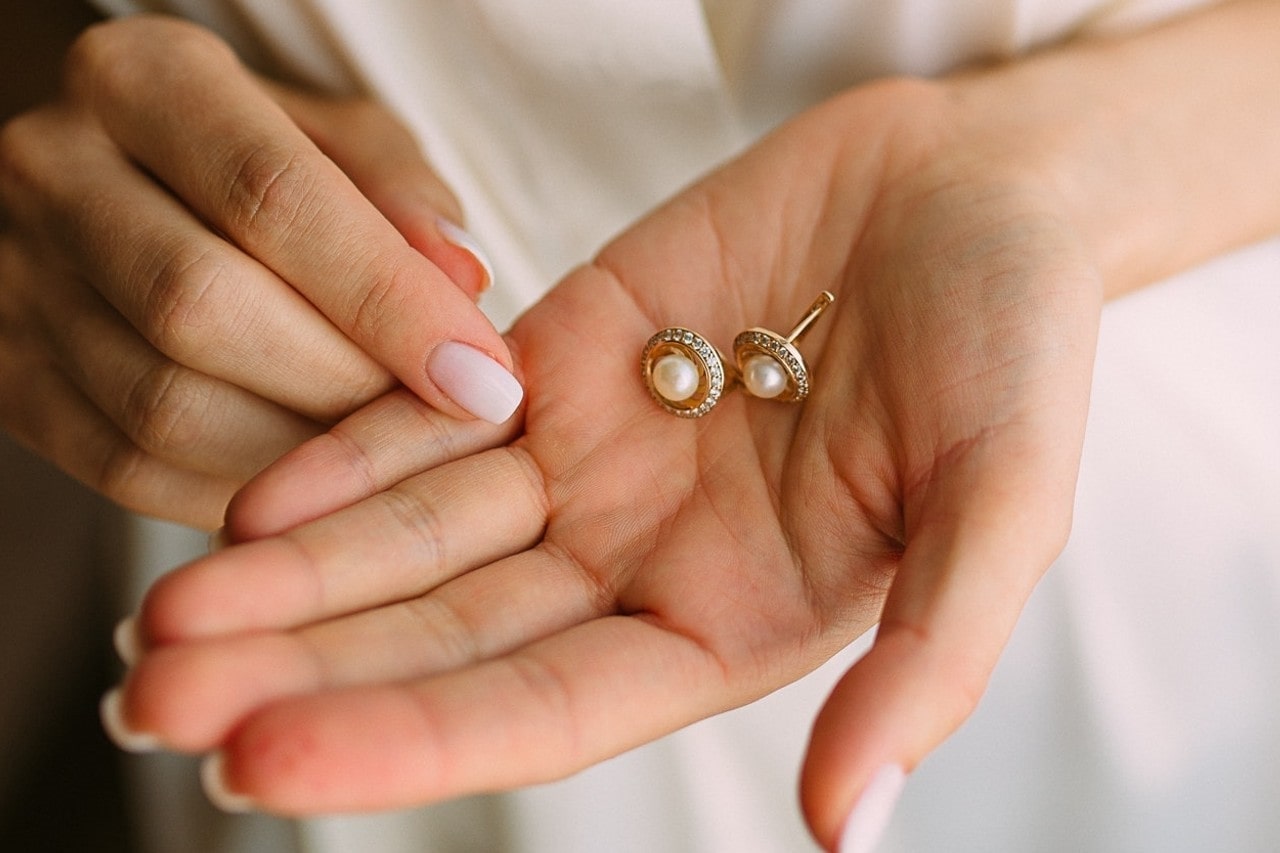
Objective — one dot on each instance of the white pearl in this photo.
(764, 376)
(675, 377)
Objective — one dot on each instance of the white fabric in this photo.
(1133, 709)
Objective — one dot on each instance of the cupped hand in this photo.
(201, 270)
(614, 572)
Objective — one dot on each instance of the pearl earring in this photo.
(685, 374)
(770, 364)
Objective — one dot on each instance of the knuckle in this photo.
(271, 192)
(121, 476)
(183, 310)
(92, 53)
(355, 457)
(550, 689)
(121, 57)
(414, 516)
(365, 380)
(531, 476)
(165, 411)
(386, 296)
(452, 640)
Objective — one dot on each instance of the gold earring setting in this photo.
(771, 365)
(687, 376)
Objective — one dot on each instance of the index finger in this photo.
(250, 172)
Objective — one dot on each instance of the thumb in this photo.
(986, 533)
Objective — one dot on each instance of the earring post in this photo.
(819, 305)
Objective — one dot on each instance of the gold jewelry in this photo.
(770, 365)
(685, 374)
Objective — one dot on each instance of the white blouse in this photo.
(1134, 709)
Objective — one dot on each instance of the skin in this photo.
(202, 274)
(556, 591)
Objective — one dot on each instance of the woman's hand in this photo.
(615, 572)
(201, 270)
(463, 623)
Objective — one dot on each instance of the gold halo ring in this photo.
(685, 374)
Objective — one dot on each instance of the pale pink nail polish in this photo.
(475, 381)
(463, 240)
(112, 713)
(214, 781)
(871, 814)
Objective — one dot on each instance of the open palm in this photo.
(486, 609)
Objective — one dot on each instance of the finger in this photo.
(419, 534)
(188, 696)
(384, 161)
(990, 525)
(166, 411)
(358, 458)
(537, 715)
(194, 296)
(274, 194)
(170, 412)
(48, 414)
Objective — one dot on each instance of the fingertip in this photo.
(213, 778)
(330, 472)
(894, 706)
(475, 381)
(465, 262)
(122, 734)
(258, 509)
(127, 639)
(871, 814)
(249, 587)
(433, 231)
(284, 495)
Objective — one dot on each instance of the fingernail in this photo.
(112, 712)
(218, 540)
(213, 778)
(870, 816)
(127, 640)
(463, 240)
(475, 381)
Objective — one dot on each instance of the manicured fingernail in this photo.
(213, 778)
(870, 816)
(463, 240)
(218, 540)
(112, 712)
(475, 381)
(127, 640)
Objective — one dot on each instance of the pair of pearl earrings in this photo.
(687, 376)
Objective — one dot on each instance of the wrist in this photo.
(1157, 147)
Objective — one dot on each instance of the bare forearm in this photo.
(1166, 144)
